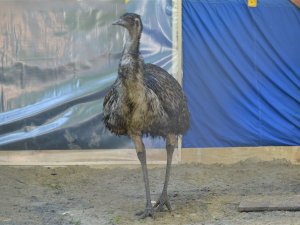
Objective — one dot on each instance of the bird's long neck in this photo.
(131, 68)
(133, 44)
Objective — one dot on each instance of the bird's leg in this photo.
(164, 199)
(141, 153)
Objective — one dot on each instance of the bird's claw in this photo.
(148, 212)
(162, 201)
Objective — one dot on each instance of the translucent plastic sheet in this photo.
(58, 59)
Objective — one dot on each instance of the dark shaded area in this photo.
(84, 135)
(42, 117)
(87, 135)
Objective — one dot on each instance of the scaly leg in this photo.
(164, 199)
(141, 153)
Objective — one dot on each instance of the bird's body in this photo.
(145, 100)
(152, 104)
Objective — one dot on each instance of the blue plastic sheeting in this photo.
(242, 73)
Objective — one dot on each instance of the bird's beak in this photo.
(119, 22)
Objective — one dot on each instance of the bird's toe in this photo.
(148, 212)
(162, 201)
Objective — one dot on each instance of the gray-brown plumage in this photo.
(145, 100)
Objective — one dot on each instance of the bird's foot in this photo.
(162, 201)
(148, 212)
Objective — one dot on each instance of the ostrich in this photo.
(145, 100)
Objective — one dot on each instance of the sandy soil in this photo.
(200, 194)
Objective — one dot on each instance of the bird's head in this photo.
(132, 22)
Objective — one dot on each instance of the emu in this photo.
(145, 100)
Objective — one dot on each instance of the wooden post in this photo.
(177, 50)
(270, 203)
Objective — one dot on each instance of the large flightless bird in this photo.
(145, 100)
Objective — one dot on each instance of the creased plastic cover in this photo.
(58, 59)
(242, 72)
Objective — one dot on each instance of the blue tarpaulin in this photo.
(242, 73)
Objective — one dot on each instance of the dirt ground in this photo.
(200, 194)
